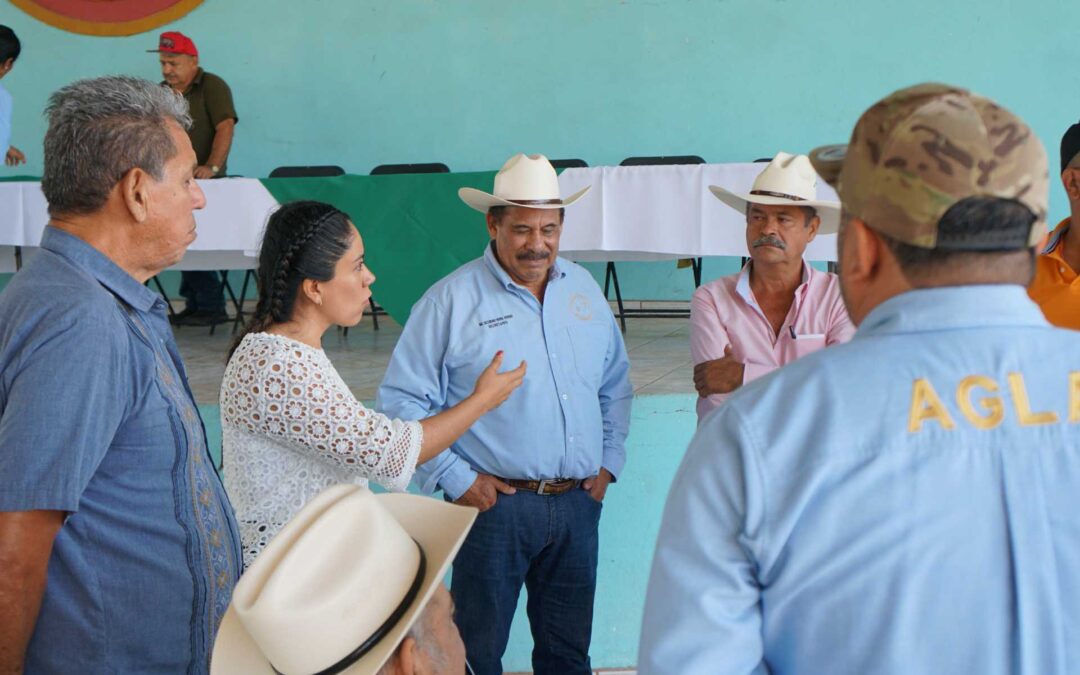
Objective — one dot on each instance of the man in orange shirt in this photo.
(1056, 286)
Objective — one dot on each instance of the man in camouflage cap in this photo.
(903, 503)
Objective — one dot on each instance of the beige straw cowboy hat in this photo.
(525, 180)
(339, 587)
(787, 180)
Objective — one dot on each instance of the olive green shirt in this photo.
(210, 101)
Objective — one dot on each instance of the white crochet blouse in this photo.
(291, 428)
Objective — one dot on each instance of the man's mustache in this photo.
(769, 240)
(533, 255)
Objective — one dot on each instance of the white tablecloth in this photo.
(632, 213)
(229, 228)
(663, 212)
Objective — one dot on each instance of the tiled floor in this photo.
(659, 356)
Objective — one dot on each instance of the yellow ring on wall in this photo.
(111, 29)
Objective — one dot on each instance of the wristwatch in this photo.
(215, 169)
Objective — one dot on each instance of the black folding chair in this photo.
(321, 171)
(392, 169)
(569, 163)
(611, 276)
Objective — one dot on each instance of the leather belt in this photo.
(546, 487)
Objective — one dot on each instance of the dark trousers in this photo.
(549, 544)
(202, 290)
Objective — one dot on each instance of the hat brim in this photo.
(482, 201)
(828, 212)
(437, 526)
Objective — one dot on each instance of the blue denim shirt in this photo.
(97, 420)
(905, 503)
(571, 415)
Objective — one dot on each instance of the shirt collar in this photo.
(928, 309)
(556, 271)
(1055, 237)
(742, 285)
(98, 265)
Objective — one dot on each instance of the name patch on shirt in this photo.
(981, 405)
(496, 322)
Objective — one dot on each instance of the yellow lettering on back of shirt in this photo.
(992, 407)
(1023, 406)
(1074, 396)
(927, 405)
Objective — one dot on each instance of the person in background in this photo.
(10, 48)
(214, 121)
(778, 308)
(1056, 286)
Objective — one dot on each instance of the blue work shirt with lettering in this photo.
(570, 416)
(97, 420)
(905, 503)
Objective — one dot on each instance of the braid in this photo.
(277, 289)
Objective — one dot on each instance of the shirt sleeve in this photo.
(708, 337)
(219, 101)
(63, 398)
(300, 400)
(6, 112)
(616, 398)
(415, 387)
(703, 607)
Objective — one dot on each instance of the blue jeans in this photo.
(549, 543)
(202, 290)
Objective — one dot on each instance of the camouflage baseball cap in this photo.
(920, 150)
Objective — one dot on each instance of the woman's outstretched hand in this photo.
(493, 387)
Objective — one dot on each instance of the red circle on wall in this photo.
(107, 17)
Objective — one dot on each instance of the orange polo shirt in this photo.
(1056, 286)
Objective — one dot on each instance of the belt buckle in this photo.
(541, 487)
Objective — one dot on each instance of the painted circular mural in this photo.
(106, 17)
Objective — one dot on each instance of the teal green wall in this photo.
(469, 82)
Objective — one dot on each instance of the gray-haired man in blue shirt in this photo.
(118, 549)
(538, 466)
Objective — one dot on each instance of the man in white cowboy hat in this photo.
(778, 308)
(539, 466)
(352, 584)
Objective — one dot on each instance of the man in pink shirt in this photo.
(778, 308)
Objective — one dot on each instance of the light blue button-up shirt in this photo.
(905, 503)
(97, 420)
(570, 416)
(6, 109)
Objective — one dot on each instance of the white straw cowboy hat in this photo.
(339, 587)
(525, 180)
(787, 180)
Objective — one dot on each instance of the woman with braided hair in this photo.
(291, 427)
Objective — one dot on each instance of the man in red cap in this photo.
(214, 117)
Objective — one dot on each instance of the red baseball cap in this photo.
(173, 42)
